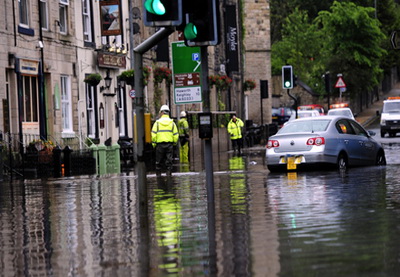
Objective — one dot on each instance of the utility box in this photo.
(205, 126)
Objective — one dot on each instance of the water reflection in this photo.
(298, 224)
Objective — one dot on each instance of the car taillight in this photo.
(272, 144)
(316, 141)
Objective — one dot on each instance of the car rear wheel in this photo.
(382, 134)
(380, 158)
(342, 163)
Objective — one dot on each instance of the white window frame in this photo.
(45, 14)
(121, 113)
(30, 99)
(63, 14)
(23, 9)
(87, 19)
(66, 106)
(90, 111)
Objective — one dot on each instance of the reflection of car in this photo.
(281, 115)
(303, 114)
(316, 107)
(326, 140)
(341, 112)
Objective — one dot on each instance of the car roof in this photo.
(340, 109)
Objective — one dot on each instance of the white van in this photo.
(390, 117)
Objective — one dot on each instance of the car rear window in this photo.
(305, 126)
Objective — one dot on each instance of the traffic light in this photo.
(287, 76)
(163, 13)
(201, 25)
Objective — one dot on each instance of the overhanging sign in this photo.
(111, 60)
(186, 73)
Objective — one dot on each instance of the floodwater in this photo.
(258, 224)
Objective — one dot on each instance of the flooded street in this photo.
(288, 224)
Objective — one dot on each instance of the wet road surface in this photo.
(290, 224)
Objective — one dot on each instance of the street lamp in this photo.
(107, 80)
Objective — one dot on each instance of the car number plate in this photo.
(290, 163)
(395, 127)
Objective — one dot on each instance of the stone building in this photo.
(49, 47)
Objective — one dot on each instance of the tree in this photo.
(353, 43)
(302, 46)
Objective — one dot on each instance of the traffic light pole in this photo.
(140, 166)
(295, 101)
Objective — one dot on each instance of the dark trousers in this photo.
(164, 156)
(237, 144)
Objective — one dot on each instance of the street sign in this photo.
(340, 83)
(132, 93)
(186, 71)
(395, 40)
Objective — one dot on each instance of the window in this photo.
(87, 30)
(121, 112)
(23, 13)
(90, 111)
(30, 99)
(66, 104)
(63, 16)
(44, 23)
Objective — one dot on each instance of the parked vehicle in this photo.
(304, 114)
(281, 115)
(316, 107)
(342, 112)
(390, 117)
(315, 142)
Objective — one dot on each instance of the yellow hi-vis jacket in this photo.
(235, 128)
(164, 130)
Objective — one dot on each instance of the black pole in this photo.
(295, 101)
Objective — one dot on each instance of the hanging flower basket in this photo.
(162, 73)
(249, 85)
(220, 82)
(93, 79)
(129, 76)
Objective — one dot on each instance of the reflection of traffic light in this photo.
(163, 13)
(201, 22)
(287, 76)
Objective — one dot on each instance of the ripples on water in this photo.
(304, 224)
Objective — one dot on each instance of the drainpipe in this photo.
(42, 103)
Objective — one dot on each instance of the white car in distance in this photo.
(342, 112)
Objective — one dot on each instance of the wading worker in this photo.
(235, 126)
(164, 136)
(183, 127)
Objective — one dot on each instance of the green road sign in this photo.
(186, 70)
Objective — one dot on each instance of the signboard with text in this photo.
(186, 71)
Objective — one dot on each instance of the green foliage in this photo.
(353, 41)
(93, 79)
(129, 76)
(346, 39)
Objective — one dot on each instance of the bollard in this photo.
(57, 162)
(67, 160)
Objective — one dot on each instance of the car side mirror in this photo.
(371, 133)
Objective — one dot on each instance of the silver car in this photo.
(327, 140)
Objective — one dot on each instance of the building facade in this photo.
(49, 47)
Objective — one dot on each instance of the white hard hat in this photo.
(164, 108)
(183, 114)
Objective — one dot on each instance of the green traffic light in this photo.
(190, 31)
(287, 84)
(155, 7)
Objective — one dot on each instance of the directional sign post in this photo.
(340, 84)
(186, 69)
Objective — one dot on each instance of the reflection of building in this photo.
(43, 92)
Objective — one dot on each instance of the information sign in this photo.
(186, 71)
